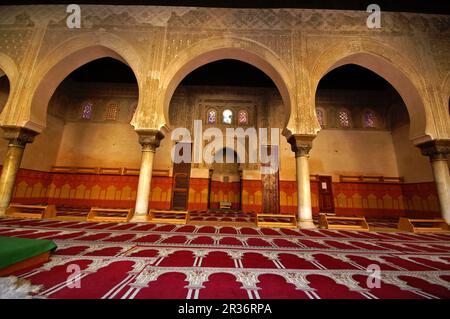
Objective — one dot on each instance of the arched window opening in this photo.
(243, 117)
(86, 111)
(320, 113)
(112, 113)
(212, 116)
(227, 116)
(370, 119)
(344, 118)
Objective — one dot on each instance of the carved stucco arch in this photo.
(394, 68)
(214, 49)
(67, 57)
(9, 68)
(446, 88)
(445, 98)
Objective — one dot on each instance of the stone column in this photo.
(437, 151)
(18, 137)
(301, 145)
(149, 139)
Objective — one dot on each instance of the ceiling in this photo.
(230, 73)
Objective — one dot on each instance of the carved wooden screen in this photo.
(271, 191)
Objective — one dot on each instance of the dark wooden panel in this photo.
(180, 188)
(326, 201)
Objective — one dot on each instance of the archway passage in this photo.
(88, 146)
(225, 181)
(219, 98)
(4, 95)
(364, 147)
(4, 89)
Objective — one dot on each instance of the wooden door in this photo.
(326, 200)
(270, 183)
(180, 184)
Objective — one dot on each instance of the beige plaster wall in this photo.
(41, 154)
(353, 152)
(412, 165)
(99, 145)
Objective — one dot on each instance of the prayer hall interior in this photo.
(353, 118)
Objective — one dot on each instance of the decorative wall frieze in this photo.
(226, 18)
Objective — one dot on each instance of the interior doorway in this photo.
(180, 182)
(326, 201)
(225, 181)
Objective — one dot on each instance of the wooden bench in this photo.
(417, 225)
(152, 218)
(290, 223)
(95, 215)
(339, 222)
(31, 211)
(226, 205)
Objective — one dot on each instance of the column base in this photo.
(139, 219)
(306, 224)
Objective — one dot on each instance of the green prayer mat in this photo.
(14, 249)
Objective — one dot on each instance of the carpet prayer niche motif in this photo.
(204, 261)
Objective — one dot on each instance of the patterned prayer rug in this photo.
(110, 260)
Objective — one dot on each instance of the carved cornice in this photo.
(18, 136)
(301, 144)
(181, 18)
(436, 149)
(150, 139)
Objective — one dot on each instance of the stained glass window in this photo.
(243, 117)
(370, 119)
(320, 116)
(112, 112)
(344, 118)
(212, 116)
(227, 116)
(87, 111)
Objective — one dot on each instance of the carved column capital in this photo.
(301, 144)
(18, 136)
(150, 139)
(436, 149)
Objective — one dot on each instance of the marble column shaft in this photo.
(437, 151)
(17, 137)
(150, 140)
(301, 145)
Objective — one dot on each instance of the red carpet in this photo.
(204, 261)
